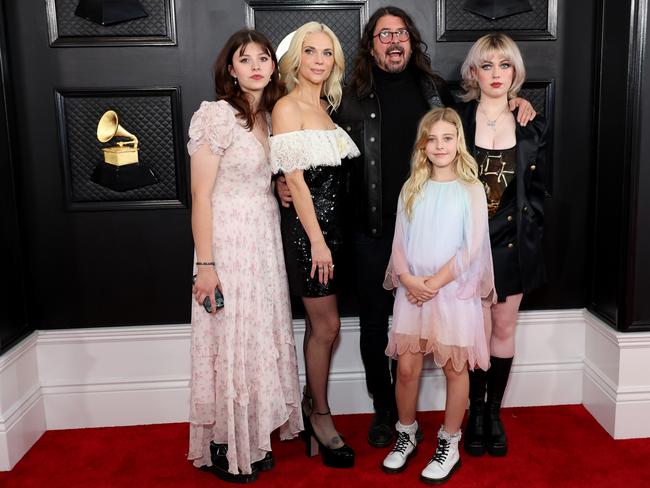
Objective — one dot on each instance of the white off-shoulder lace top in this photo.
(309, 148)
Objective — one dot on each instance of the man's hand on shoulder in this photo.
(526, 110)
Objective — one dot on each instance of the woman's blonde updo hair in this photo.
(290, 63)
(495, 42)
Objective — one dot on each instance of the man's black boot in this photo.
(382, 428)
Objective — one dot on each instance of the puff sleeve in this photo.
(212, 124)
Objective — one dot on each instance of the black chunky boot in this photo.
(497, 379)
(474, 441)
(220, 465)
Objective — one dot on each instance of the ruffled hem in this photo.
(245, 418)
(240, 457)
(282, 368)
(460, 356)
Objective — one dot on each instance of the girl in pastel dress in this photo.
(441, 268)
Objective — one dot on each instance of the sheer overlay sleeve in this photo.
(398, 263)
(212, 124)
(472, 264)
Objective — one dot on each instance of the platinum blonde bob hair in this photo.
(481, 50)
(290, 63)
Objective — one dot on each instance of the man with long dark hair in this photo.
(392, 86)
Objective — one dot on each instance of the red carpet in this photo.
(549, 447)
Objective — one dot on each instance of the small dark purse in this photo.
(218, 299)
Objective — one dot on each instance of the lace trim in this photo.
(304, 149)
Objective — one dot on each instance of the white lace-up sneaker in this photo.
(405, 447)
(445, 460)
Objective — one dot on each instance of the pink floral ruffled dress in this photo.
(244, 371)
(449, 222)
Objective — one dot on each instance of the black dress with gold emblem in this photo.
(517, 209)
(497, 173)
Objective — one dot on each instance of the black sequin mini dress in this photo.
(318, 153)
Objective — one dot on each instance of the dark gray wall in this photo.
(13, 319)
(642, 251)
(132, 267)
(621, 276)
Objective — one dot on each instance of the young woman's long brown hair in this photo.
(224, 84)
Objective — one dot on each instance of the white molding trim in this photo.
(75, 378)
(22, 419)
(616, 387)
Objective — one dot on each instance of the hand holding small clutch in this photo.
(218, 299)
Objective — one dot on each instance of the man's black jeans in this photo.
(375, 306)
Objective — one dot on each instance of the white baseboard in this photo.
(22, 418)
(617, 379)
(139, 375)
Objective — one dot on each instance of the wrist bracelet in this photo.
(206, 263)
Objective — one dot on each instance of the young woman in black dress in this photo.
(511, 160)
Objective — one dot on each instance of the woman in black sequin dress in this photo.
(307, 148)
(511, 160)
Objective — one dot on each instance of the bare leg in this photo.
(487, 324)
(409, 368)
(457, 396)
(324, 327)
(504, 320)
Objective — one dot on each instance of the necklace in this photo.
(492, 124)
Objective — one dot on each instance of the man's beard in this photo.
(386, 64)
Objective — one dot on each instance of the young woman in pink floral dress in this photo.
(244, 370)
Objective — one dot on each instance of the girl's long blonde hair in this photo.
(464, 164)
(290, 63)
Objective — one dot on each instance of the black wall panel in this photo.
(621, 277)
(641, 311)
(132, 267)
(13, 317)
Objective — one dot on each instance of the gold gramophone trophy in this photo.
(126, 152)
(121, 169)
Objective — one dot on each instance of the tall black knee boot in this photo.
(474, 439)
(497, 379)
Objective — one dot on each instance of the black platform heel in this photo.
(342, 457)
